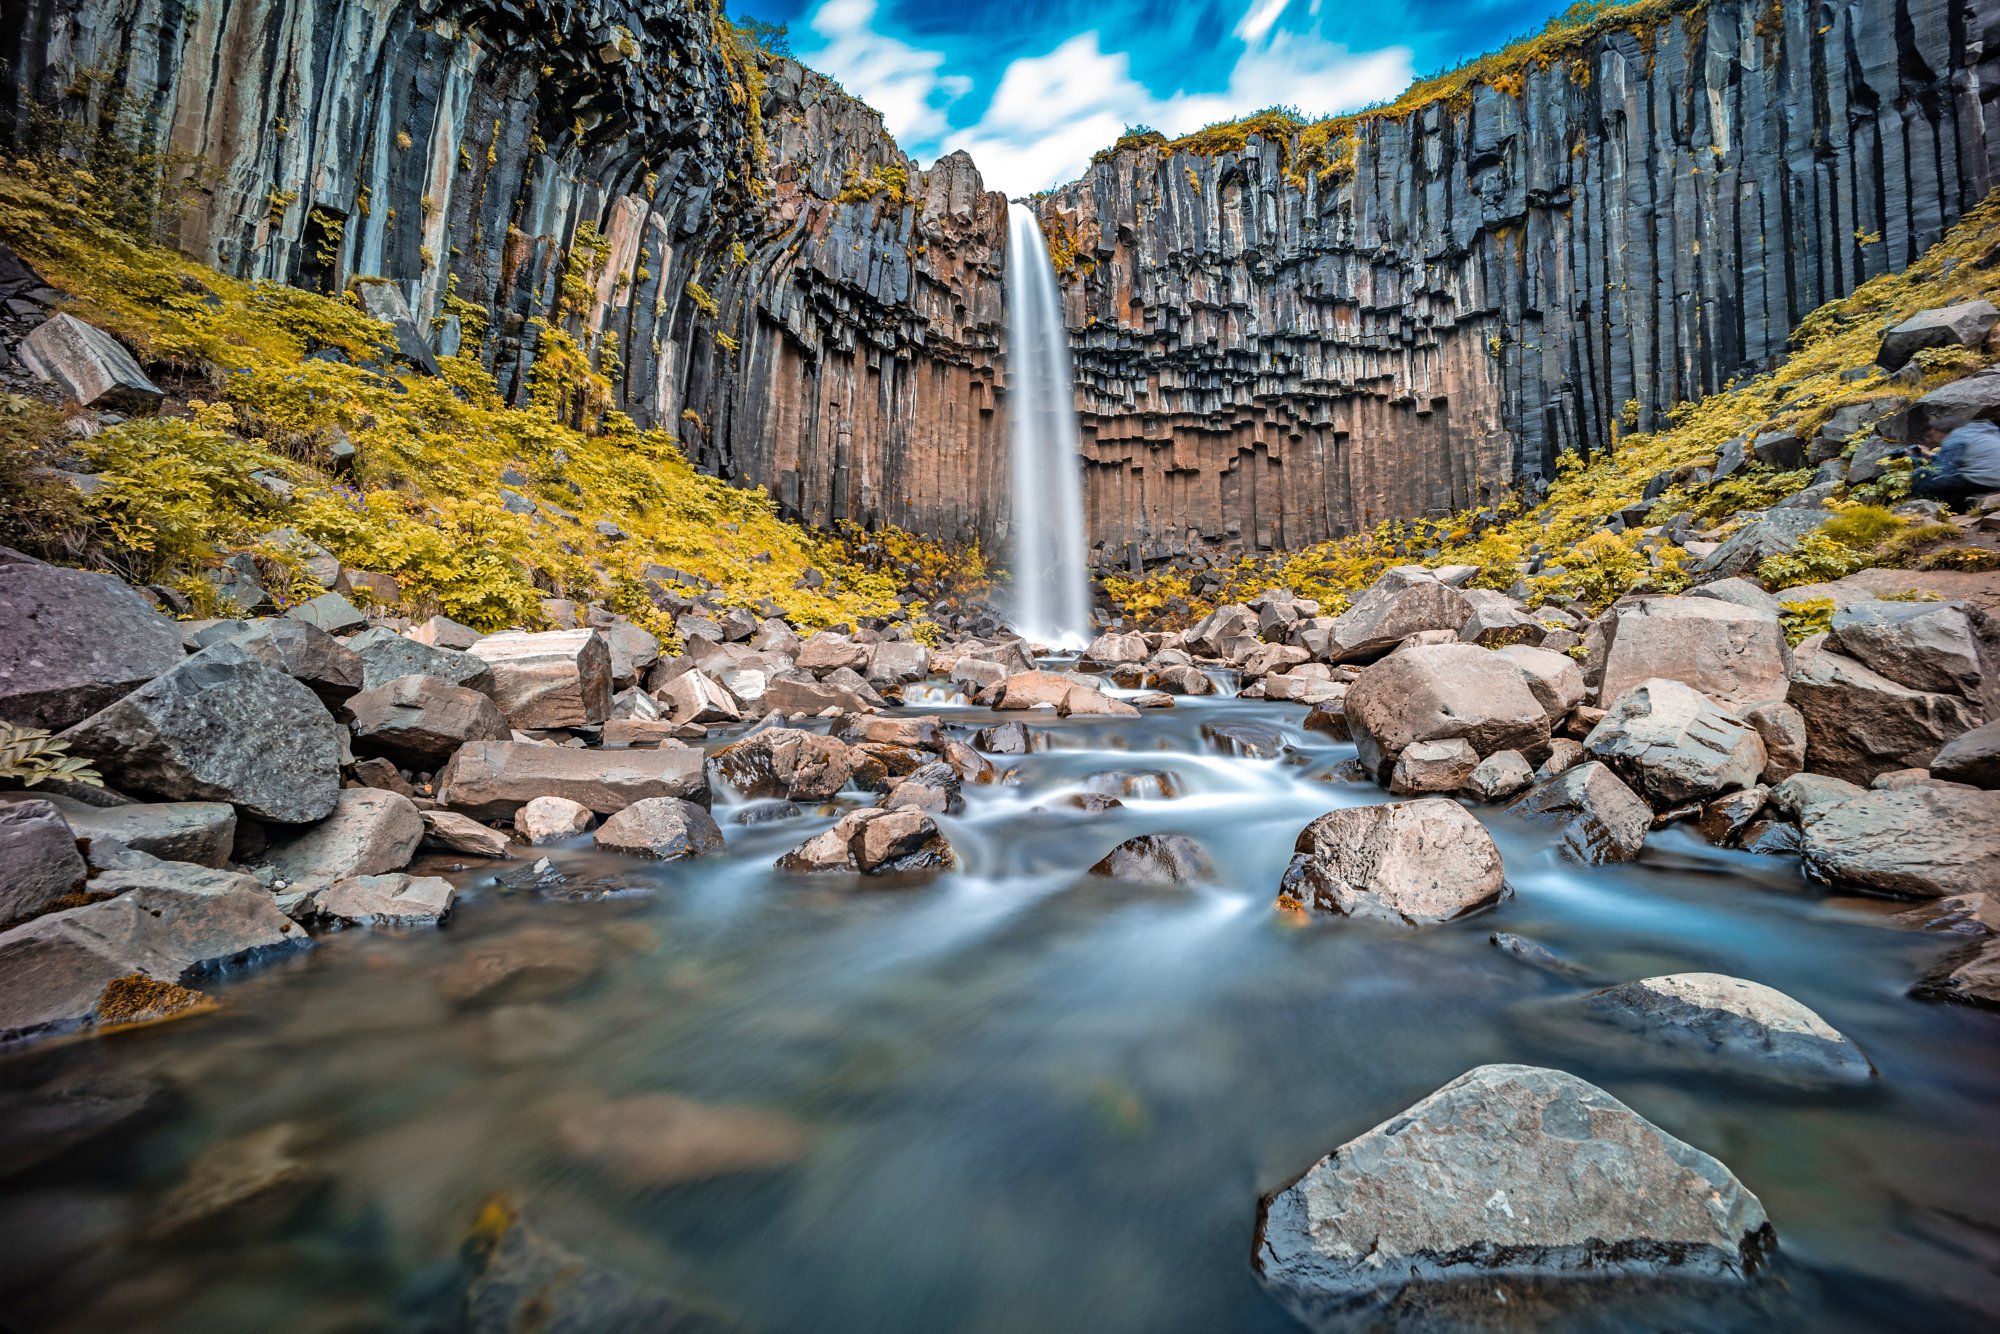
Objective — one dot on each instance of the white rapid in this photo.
(1051, 580)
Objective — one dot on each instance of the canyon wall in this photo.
(1516, 270)
(1268, 353)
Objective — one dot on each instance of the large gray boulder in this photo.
(664, 828)
(1671, 743)
(306, 653)
(1156, 859)
(1554, 677)
(1601, 820)
(162, 921)
(370, 832)
(1860, 723)
(1963, 325)
(73, 642)
(1401, 603)
(420, 722)
(221, 726)
(200, 832)
(1416, 862)
(393, 899)
(39, 862)
(490, 780)
(1509, 1171)
(1731, 653)
(874, 842)
(1925, 842)
(1941, 647)
(553, 678)
(89, 364)
(1767, 533)
(791, 763)
(1760, 1028)
(1973, 758)
(1439, 691)
(387, 656)
(1229, 632)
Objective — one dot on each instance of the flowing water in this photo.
(1035, 1101)
(1050, 564)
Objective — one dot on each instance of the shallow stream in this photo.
(1033, 1100)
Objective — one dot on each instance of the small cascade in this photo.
(1050, 567)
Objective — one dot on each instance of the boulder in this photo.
(370, 832)
(791, 763)
(386, 900)
(490, 780)
(1112, 648)
(420, 722)
(827, 652)
(200, 832)
(1750, 1022)
(1500, 776)
(1963, 325)
(73, 642)
(535, 963)
(443, 632)
(551, 820)
(632, 651)
(1935, 646)
(1803, 798)
(1601, 819)
(1156, 859)
(523, 1280)
(1181, 679)
(1003, 739)
(1725, 818)
(1859, 723)
(664, 828)
(1733, 654)
(874, 842)
(1555, 678)
(550, 678)
(162, 922)
(1782, 728)
(1410, 861)
(1401, 603)
(39, 862)
(1227, 633)
(1973, 758)
(1669, 742)
(932, 787)
(1498, 620)
(1507, 1172)
(798, 692)
(449, 829)
(1973, 397)
(305, 653)
(895, 662)
(1438, 692)
(1564, 753)
(89, 365)
(918, 732)
(329, 613)
(242, 1190)
(387, 656)
(695, 697)
(1969, 976)
(1069, 697)
(1433, 766)
(220, 726)
(1766, 533)
(1921, 842)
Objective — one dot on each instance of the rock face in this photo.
(73, 642)
(1271, 347)
(1761, 1027)
(1509, 1170)
(221, 726)
(1919, 842)
(1411, 861)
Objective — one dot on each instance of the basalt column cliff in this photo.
(740, 247)
(1280, 340)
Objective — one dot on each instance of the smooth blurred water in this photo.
(1038, 1101)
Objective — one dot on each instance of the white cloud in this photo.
(901, 81)
(1051, 112)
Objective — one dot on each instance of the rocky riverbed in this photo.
(409, 977)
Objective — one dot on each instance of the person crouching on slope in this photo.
(1957, 466)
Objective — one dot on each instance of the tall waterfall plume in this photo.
(1050, 567)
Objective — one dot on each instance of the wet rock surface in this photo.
(1157, 859)
(1762, 1030)
(1417, 862)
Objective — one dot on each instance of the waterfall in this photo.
(1051, 577)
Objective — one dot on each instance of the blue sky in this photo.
(1032, 87)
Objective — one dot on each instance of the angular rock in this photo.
(551, 820)
(221, 726)
(1970, 977)
(664, 828)
(1601, 819)
(551, 678)
(1112, 648)
(1416, 862)
(1973, 758)
(1670, 743)
(1433, 766)
(932, 787)
(420, 722)
(1156, 859)
(387, 656)
(370, 832)
(307, 654)
(89, 364)
(451, 830)
(632, 651)
(1933, 646)
(1733, 654)
(443, 632)
(1509, 1171)
(329, 613)
(1398, 605)
(490, 780)
(1726, 817)
(1918, 842)
(695, 697)
(73, 642)
(895, 662)
(1783, 730)
(1003, 739)
(39, 862)
(1860, 723)
(826, 652)
(386, 900)
(1228, 633)
(1438, 692)
(874, 842)
(791, 763)
(1710, 1012)
(1500, 776)
(1554, 677)
(200, 832)
(1963, 325)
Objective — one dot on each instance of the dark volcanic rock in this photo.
(72, 642)
(1601, 819)
(221, 726)
(39, 862)
(1157, 859)
(1763, 1029)
(420, 722)
(661, 827)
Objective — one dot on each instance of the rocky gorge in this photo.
(462, 866)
